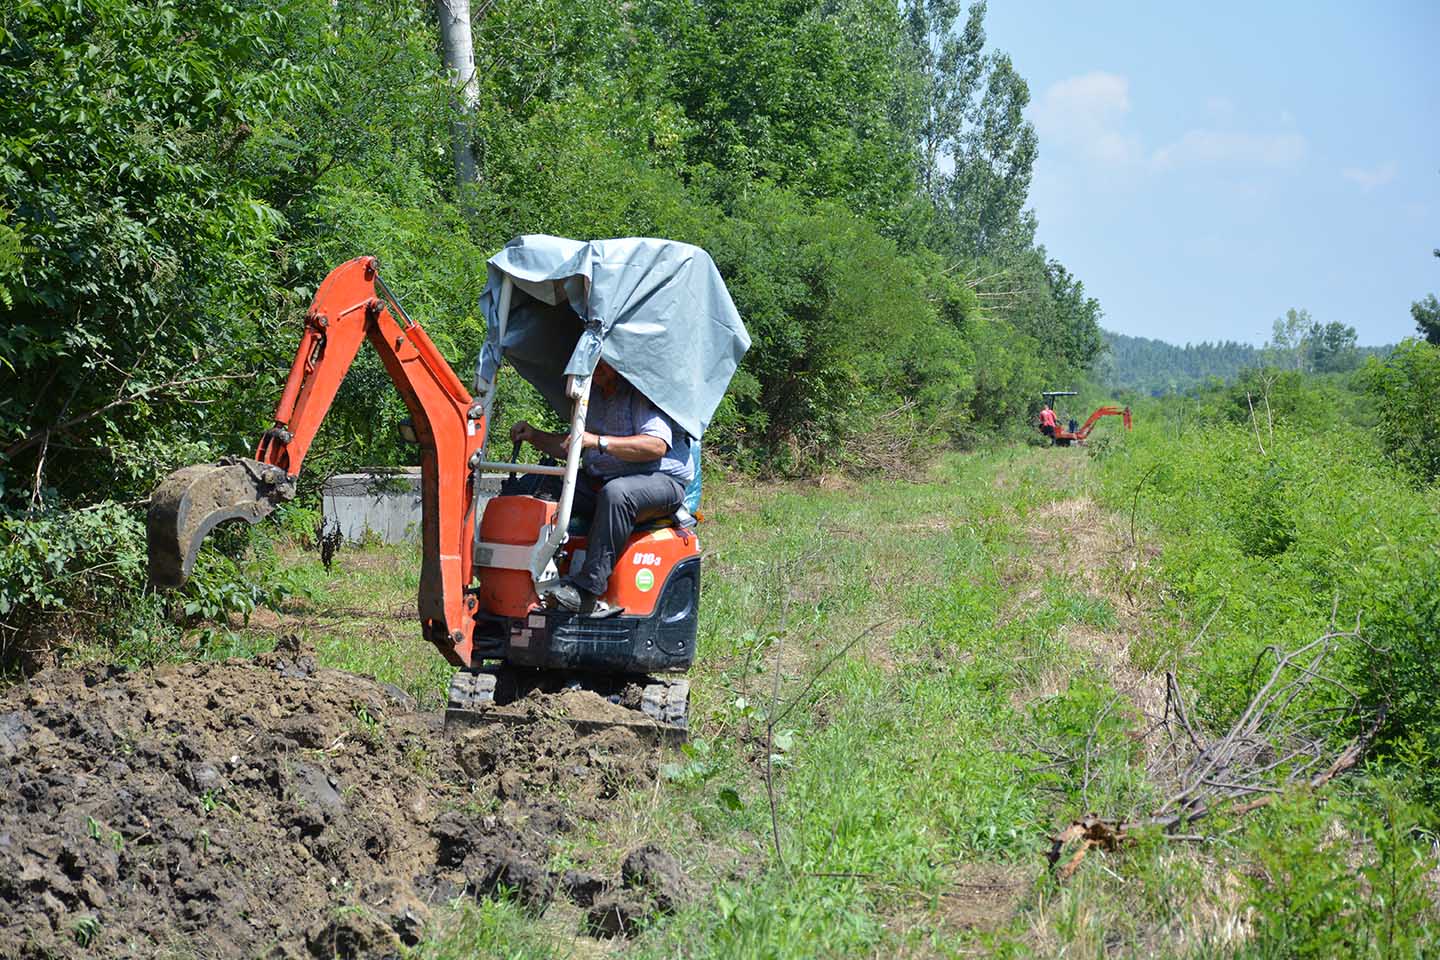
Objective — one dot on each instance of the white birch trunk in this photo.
(460, 64)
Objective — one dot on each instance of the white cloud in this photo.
(1369, 179)
(1086, 114)
(1211, 147)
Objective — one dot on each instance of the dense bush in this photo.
(54, 560)
(1338, 876)
(1317, 527)
(1405, 389)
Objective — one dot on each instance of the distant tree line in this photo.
(1298, 342)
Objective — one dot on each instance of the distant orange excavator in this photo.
(1063, 437)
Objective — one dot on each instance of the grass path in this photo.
(940, 660)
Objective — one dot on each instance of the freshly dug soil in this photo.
(270, 808)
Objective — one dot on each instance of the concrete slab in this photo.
(384, 504)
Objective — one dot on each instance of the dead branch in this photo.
(1089, 745)
(787, 578)
(1278, 742)
(1254, 423)
(974, 282)
(770, 753)
(825, 667)
(1135, 508)
(1178, 702)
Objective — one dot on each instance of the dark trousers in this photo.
(617, 506)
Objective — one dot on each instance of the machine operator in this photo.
(1047, 422)
(636, 466)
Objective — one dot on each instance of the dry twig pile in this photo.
(1280, 740)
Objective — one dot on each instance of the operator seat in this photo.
(683, 518)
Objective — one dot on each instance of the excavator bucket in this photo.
(193, 500)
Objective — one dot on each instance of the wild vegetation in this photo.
(933, 678)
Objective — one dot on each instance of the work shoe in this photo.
(567, 596)
(562, 593)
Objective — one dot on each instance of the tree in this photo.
(798, 92)
(975, 148)
(983, 207)
(1405, 389)
(127, 155)
(460, 64)
(1286, 348)
(949, 66)
(1076, 318)
(1427, 315)
(1427, 318)
(1331, 348)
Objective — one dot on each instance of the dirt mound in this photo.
(271, 808)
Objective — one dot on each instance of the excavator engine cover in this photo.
(193, 500)
(661, 640)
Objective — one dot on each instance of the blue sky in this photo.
(1205, 166)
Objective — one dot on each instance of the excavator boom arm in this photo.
(1084, 431)
(450, 429)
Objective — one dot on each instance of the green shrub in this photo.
(1402, 668)
(1405, 389)
(70, 580)
(1274, 545)
(1260, 514)
(51, 559)
(1310, 898)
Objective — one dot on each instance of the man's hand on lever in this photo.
(640, 448)
(552, 443)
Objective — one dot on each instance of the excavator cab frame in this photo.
(522, 644)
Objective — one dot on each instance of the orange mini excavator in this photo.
(1063, 437)
(658, 312)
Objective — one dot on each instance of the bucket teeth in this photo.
(193, 500)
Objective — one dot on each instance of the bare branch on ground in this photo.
(1279, 741)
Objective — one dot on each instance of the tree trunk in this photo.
(460, 64)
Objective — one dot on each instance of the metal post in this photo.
(579, 389)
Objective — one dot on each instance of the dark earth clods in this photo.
(271, 808)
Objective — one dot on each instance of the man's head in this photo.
(606, 379)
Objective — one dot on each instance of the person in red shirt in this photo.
(1047, 422)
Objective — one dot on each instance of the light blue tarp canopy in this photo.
(655, 310)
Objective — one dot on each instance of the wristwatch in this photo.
(602, 444)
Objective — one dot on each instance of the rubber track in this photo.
(667, 702)
(471, 691)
